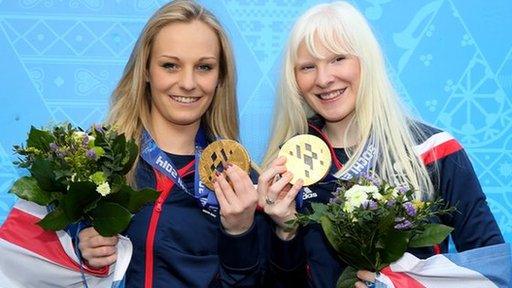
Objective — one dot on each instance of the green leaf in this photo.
(131, 199)
(118, 147)
(27, 188)
(348, 278)
(431, 235)
(387, 223)
(39, 139)
(80, 196)
(141, 197)
(110, 219)
(42, 171)
(394, 245)
(319, 210)
(55, 220)
(132, 151)
(329, 230)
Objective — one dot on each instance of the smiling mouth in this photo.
(185, 100)
(331, 95)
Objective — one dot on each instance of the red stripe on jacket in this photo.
(164, 185)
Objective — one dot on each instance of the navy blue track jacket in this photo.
(178, 244)
(309, 261)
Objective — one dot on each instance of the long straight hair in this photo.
(131, 100)
(378, 113)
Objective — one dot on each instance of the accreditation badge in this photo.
(227, 151)
(308, 157)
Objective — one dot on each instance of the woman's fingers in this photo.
(223, 202)
(102, 261)
(294, 190)
(227, 190)
(99, 251)
(275, 189)
(366, 275)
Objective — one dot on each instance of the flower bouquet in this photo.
(80, 176)
(371, 224)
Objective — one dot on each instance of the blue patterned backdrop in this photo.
(450, 59)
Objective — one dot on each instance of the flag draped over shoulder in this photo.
(33, 257)
(484, 267)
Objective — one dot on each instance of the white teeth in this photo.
(331, 95)
(185, 99)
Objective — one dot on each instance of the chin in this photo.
(335, 118)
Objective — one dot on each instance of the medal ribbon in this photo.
(160, 161)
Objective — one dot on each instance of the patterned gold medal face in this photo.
(308, 157)
(214, 154)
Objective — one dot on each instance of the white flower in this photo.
(103, 189)
(395, 192)
(79, 135)
(347, 208)
(377, 196)
(356, 195)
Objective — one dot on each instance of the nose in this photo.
(324, 78)
(187, 80)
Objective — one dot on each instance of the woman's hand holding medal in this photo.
(277, 196)
(302, 161)
(237, 201)
(224, 168)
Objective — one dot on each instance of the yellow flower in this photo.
(103, 189)
(418, 204)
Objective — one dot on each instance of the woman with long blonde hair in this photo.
(176, 95)
(334, 85)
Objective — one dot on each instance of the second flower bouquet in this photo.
(371, 224)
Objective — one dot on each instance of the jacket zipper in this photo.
(164, 185)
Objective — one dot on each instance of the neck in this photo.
(173, 138)
(335, 132)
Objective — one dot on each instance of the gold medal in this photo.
(228, 151)
(308, 158)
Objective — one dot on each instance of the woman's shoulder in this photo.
(428, 135)
(422, 131)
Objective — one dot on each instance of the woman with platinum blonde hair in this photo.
(177, 94)
(334, 85)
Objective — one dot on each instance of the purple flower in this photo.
(402, 223)
(54, 147)
(410, 209)
(372, 178)
(90, 154)
(334, 200)
(403, 189)
(98, 127)
(85, 141)
(369, 204)
(60, 153)
(391, 202)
